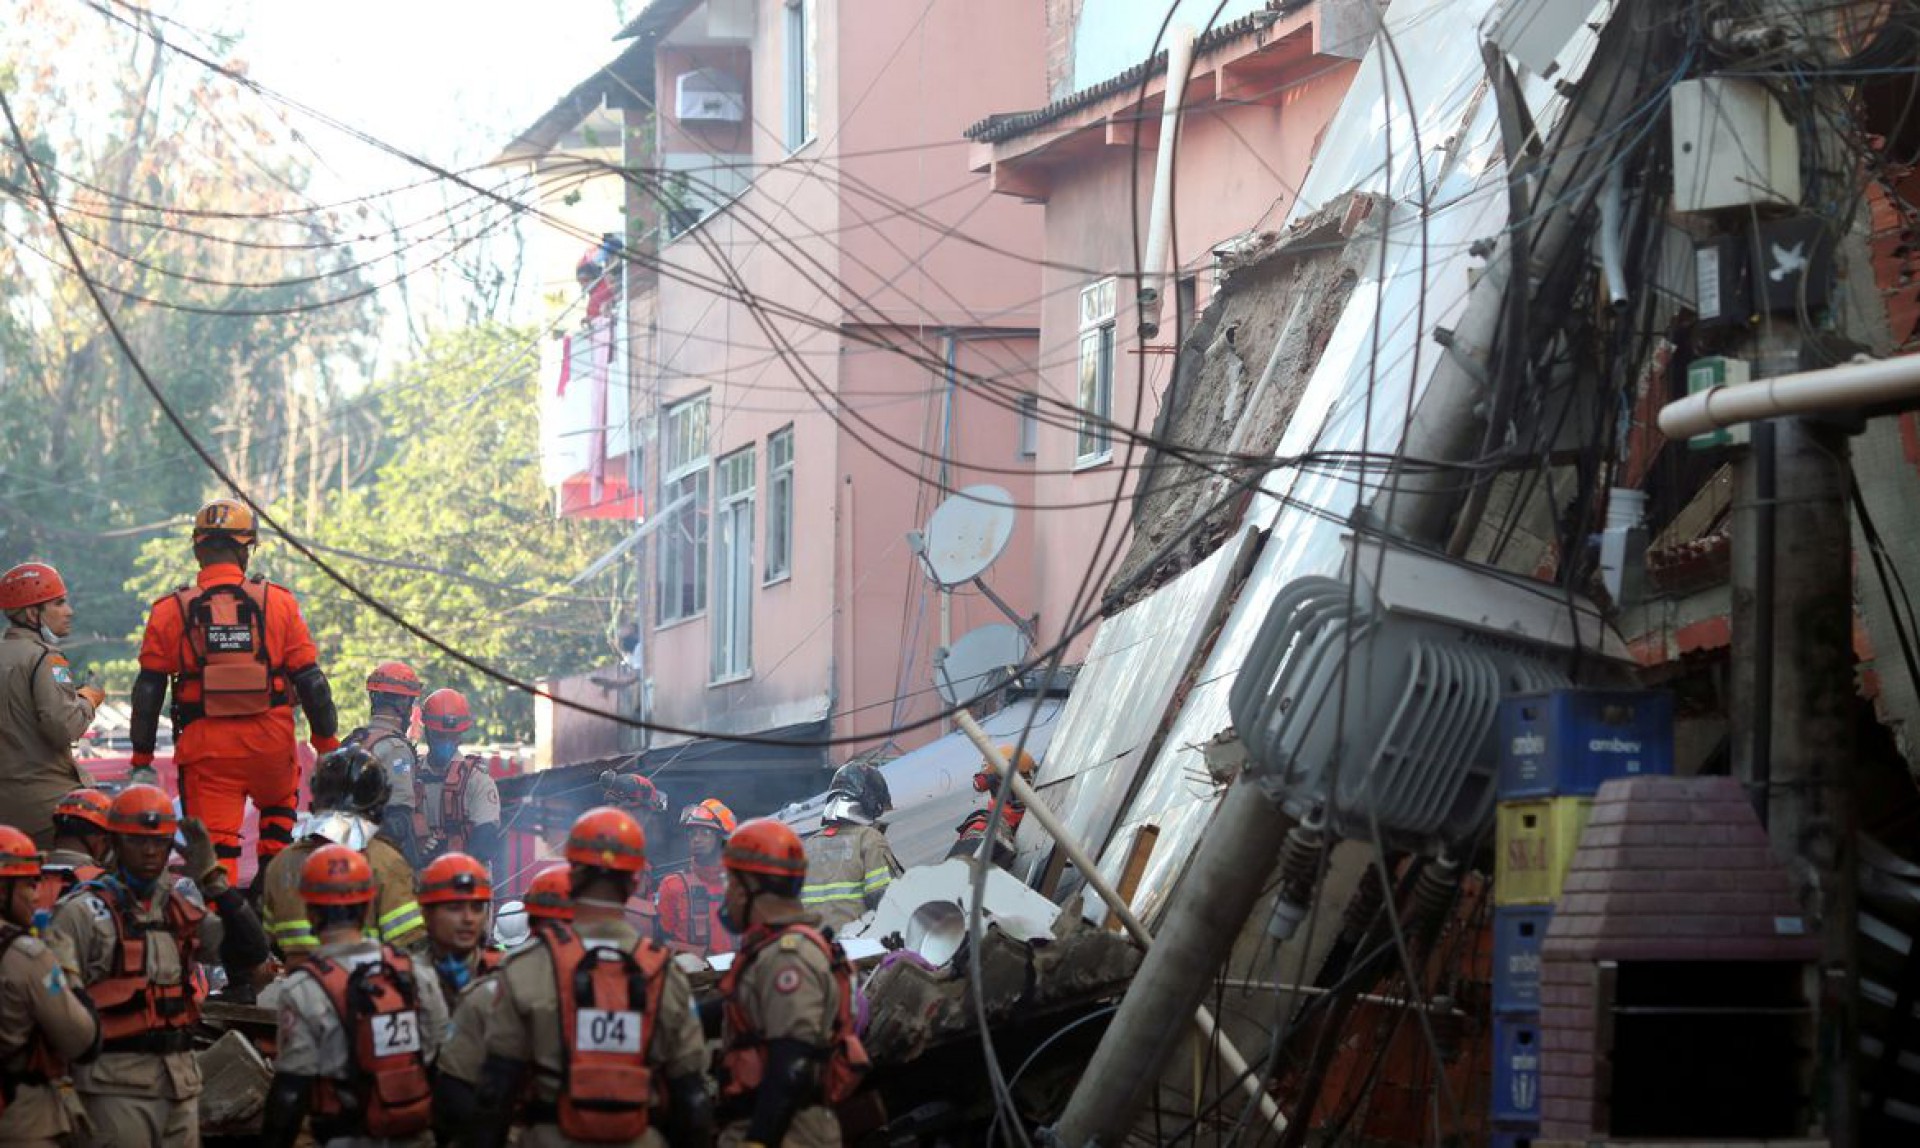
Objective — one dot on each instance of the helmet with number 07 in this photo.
(336, 875)
(227, 518)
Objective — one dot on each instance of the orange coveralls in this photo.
(225, 760)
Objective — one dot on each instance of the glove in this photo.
(324, 745)
(94, 695)
(140, 758)
(203, 864)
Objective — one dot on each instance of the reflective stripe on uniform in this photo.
(878, 879)
(398, 921)
(833, 891)
(293, 934)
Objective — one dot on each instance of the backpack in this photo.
(609, 1004)
(225, 629)
(378, 1005)
(844, 1061)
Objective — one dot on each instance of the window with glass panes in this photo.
(732, 628)
(680, 587)
(1098, 308)
(780, 504)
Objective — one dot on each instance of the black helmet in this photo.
(351, 780)
(861, 789)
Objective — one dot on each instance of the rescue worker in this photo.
(81, 847)
(357, 1011)
(458, 797)
(549, 898)
(849, 863)
(392, 688)
(789, 1049)
(456, 894)
(1012, 812)
(134, 936)
(42, 712)
(350, 792)
(237, 653)
(689, 902)
(602, 1062)
(44, 1022)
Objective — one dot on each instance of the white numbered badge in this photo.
(395, 1033)
(604, 1030)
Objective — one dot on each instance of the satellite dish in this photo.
(978, 663)
(966, 533)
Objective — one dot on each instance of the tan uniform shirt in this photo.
(84, 932)
(314, 1042)
(465, 1051)
(36, 997)
(396, 914)
(40, 718)
(849, 867)
(789, 989)
(523, 1025)
(397, 754)
(479, 800)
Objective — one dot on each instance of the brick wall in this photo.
(1669, 868)
(1063, 16)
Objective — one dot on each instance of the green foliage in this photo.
(457, 488)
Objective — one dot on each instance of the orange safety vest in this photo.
(130, 1004)
(609, 1002)
(43, 1065)
(225, 633)
(388, 1092)
(453, 807)
(57, 881)
(743, 1064)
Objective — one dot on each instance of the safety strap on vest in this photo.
(609, 1001)
(224, 632)
(138, 1014)
(388, 1092)
(744, 1062)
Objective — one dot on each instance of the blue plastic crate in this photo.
(1516, 1070)
(1517, 933)
(1567, 742)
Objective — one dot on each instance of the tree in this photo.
(452, 529)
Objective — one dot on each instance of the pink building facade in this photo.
(1259, 95)
(832, 320)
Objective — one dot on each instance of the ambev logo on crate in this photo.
(1613, 745)
(1529, 745)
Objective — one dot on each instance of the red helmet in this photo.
(225, 518)
(550, 895)
(142, 811)
(608, 838)
(336, 875)
(394, 678)
(88, 805)
(710, 814)
(445, 711)
(18, 857)
(764, 845)
(454, 877)
(30, 584)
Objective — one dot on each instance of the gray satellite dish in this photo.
(978, 663)
(966, 533)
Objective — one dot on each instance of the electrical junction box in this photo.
(1732, 146)
(1793, 264)
(1715, 371)
(1721, 294)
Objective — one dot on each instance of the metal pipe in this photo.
(1849, 386)
(1153, 269)
(1613, 260)
(1202, 1019)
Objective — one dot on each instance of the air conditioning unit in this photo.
(708, 96)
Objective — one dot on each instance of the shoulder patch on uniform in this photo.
(61, 673)
(786, 981)
(56, 984)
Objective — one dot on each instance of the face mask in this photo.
(439, 754)
(455, 970)
(140, 888)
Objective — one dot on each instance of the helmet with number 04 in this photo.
(18, 857)
(336, 875)
(455, 877)
(227, 518)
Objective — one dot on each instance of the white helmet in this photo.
(510, 926)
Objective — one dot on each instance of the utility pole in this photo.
(1792, 719)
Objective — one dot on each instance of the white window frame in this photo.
(779, 563)
(1093, 376)
(682, 554)
(800, 77)
(1029, 437)
(731, 631)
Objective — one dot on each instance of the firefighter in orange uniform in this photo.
(601, 1061)
(237, 653)
(456, 895)
(81, 847)
(44, 1023)
(690, 901)
(459, 799)
(41, 711)
(134, 936)
(359, 1024)
(790, 1047)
